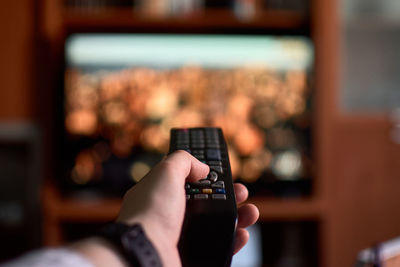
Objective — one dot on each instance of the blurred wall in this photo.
(16, 54)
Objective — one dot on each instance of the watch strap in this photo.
(133, 244)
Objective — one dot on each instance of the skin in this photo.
(158, 204)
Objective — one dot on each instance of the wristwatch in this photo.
(132, 242)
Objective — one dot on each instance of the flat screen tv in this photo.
(122, 94)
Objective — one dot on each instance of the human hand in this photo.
(158, 202)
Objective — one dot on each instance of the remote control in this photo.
(208, 229)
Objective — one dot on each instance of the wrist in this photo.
(132, 243)
(166, 248)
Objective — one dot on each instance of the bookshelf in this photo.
(320, 24)
(211, 18)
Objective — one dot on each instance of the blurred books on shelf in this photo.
(156, 8)
(243, 9)
(295, 5)
(93, 4)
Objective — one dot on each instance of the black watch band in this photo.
(133, 244)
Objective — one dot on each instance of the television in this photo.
(123, 92)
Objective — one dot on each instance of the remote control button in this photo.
(212, 141)
(220, 191)
(187, 197)
(198, 145)
(211, 135)
(182, 137)
(213, 146)
(218, 184)
(219, 196)
(197, 132)
(182, 146)
(182, 133)
(198, 135)
(199, 157)
(187, 186)
(182, 143)
(201, 184)
(201, 196)
(212, 138)
(213, 154)
(212, 176)
(217, 169)
(215, 163)
(194, 190)
(204, 182)
(207, 191)
(197, 141)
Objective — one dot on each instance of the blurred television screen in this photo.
(124, 92)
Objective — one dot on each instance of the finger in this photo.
(241, 193)
(241, 238)
(247, 215)
(185, 165)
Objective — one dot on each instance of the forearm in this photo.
(100, 252)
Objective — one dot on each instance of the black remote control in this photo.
(208, 230)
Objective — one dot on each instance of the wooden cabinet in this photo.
(363, 187)
(356, 185)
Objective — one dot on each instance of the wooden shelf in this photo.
(77, 209)
(74, 209)
(93, 209)
(288, 209)
(207, 19)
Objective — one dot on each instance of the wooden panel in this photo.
(51, 19)
(364, 205)
(79, 209)
(58, 209)
(288, 209)
(16, 51)
(325, 32)
(90, 210)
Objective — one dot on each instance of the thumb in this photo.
(187, 166)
